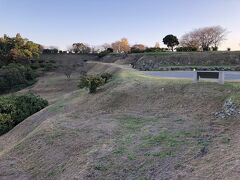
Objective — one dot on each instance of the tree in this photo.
(138, 48)
(109, 50)
(189, 41)
(16, 48)
(81, 48)
(121, 46)
(204, 38)
(51, 51)
(157, 45)
(105, 46)
(171, 41)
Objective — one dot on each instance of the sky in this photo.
(61, 23)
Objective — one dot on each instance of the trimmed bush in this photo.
(14, 109)
(91, 82)
(106, 77)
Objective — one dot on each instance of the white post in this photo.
(221, 77)
(195, 78)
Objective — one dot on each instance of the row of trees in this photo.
(15, 48)
(202, 39)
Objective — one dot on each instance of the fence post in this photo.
(221, 77)
(195, 78)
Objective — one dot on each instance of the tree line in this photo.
(202, 39)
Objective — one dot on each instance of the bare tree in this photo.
(67, 70)
(82, 68)
(105, 46)
(219, 35)
(204, 38)
(157, 45)
(188, 40)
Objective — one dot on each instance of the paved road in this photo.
(229, 75)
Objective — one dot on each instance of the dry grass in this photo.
(134, 127)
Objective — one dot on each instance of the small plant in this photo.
(92, 82)
(67, 70)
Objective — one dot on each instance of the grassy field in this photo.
(134, 127)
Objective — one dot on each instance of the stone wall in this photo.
(154, 62)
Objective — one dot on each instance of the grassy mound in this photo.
(134, 127)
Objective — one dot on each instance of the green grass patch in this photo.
(100, 167)
(57, 106)
(130, 129)
(162, 154)
(134, 123)
(163, 138)
(235, 96)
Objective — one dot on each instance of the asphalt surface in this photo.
(229, 75)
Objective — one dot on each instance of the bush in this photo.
(237, 68)
(35, 66)
(154, 49)
(15, 76)
(106, 77)
(215, 48)
(50, 67)
(186, 49)
(14, 109)
(136, 50)
(102, 54)
(91, 82)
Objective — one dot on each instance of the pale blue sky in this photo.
(63, 22)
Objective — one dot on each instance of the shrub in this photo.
(135, 50)
(214, 48)
(186, 49)
(67, 70)
(102, 54)
(14, 109)
(237, 68)
(35, 66)
(91, 82)
(6, 123)
(106, 77)
(50, 67)
(105, 52)
(155, 49)
(14, 76)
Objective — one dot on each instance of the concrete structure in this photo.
(219, 75)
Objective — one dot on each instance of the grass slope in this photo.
(134, 127)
